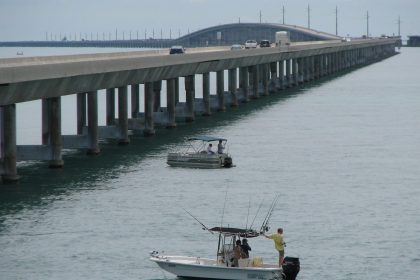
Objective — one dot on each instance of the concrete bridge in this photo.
(251, 74)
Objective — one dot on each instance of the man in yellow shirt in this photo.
(279, 243)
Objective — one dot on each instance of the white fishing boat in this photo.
(225, 266)
(197, 155)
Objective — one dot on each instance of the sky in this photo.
(54, 19)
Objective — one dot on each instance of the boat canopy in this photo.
(206, 138)
(235, 231)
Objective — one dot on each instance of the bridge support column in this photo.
(123, 116)
(317, 62)
(307, 75)
(81, 112)
(274, 79)
(244, 82)
(288, 74)
(135, 100)
(311, 67)
(170, 103)
(8, 142)
(93, 144)
(329, 64)
(295, 72)
(110, 106)
(232, 86)
(301, 69)
(221, 90)
(190, 96)
(51, 111)
(255, 79)
(321, 65)
(281, 74)
(265, 79)
(176, 91)
(206, 94)
(157, 87)
(148, 109)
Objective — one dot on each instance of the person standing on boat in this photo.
(279, 243)
(209, 149)
(220, 147)
(245, 249)
(237, 253)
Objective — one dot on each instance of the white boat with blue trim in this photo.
(197, 154)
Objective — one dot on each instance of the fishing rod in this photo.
(258, 211)
(203, 225)
(247, 216)
(264, 226)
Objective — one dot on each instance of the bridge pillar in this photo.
(265, 76)
(330, 64)
(312, 67)
(305, 70)
(170, 103)
(135, 100)
(93, 144)
(81, 112)
(337, 61)
(148, 109)
(190, 96)
(206, 94)
(316, 67)
(281, 74)
(123, 116)
(274, 80)
(54, 130)
(244, 82)
(301, 69)
(176, 91)
(157, 88)
(110, 106)
(295, 69)
(321, 65)
(288, 74)
(255, 79)
(233, 86)
(8, 142)
(220, 76)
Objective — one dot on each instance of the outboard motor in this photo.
(227, 162)
(291, 268)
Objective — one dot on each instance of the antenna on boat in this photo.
(221, 224)
(264, 226)
(203, 225)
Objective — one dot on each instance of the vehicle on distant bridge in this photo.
(176, 50)
(265, 44)
(251, 44)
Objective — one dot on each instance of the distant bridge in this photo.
(220, 35)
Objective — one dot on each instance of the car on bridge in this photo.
(177, 50)
(265, 44)
(251, 44)
(236, 47)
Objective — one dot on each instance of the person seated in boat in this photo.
(237, 253)
(210, 149)
(245, 249)
(220, 147)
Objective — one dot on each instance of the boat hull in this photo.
(192, 267)
(199, 160)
